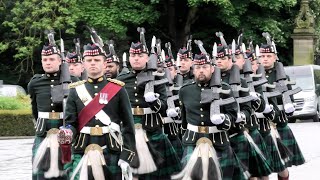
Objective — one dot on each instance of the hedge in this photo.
(16, 123)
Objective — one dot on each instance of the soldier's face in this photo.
(203, 73)
(239, 60)
(185, 65)
(173, 72)
(76, 69)
(112, 70)
(94, 65)
(138, 61)
(267, 60)
(224, 63)
(51, 64)
(254, 65)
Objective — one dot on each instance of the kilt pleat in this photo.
(288, 139)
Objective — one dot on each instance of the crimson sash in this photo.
(89, 111)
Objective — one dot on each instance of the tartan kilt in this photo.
(171, 164)
(177, 145)
(230, 165)
(276, 162)
(259, 166)
(240, 146)
(111, 161)
(288, 139)
(172, 131)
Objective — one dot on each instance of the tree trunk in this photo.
(185, 31)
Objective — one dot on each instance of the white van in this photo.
(307, 102)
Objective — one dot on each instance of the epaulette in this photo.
(75, 84)
(120, 83)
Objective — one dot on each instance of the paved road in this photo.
(15, 155)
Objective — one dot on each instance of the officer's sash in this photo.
(92, 106)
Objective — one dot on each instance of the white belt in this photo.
(141, 111)
(259, 115)
(105, 129)
(50, 115)
(203, 129)
(170, 120)
(280, 107)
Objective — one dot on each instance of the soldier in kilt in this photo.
(186, 63)
(75, 64)
(112, 67)
(258, 167)
(263, 108)
(268, 59)
(47, 110)
(99, 114)
(157, 157)
(204, 129)
(172, 120)
(242, 143)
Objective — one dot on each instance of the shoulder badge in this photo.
(120, 83)
(75, 84)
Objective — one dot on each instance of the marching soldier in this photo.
(75, 65)
(258, 169)
(273, 68)
(185, 62)
(47, 109)
(205, 135)
(172, 121)
(95, 110)
(112, 67)
(157, 157)
(241, 142)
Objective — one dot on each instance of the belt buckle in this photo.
(203, 129)
(138, 111)
(54, 115)
(96, 131)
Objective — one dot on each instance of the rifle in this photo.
(213, 94)
(76, 42)
(125, 68)
(282, 82)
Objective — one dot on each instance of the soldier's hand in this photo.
(289, 108)
(255, 96)
(172, 112)
(268, 108)
(217, 118)
(241, 117)
(126, 169)
(151, 96)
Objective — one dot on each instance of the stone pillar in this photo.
(304, 38)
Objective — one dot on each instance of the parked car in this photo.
(307, 102)
(11, 90)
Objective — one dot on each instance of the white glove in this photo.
(241, 117)
(217, 118)
(172, 112)
(268, 108)
(151, 96)
(126, 169)
(289, 108)
(254, 95)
